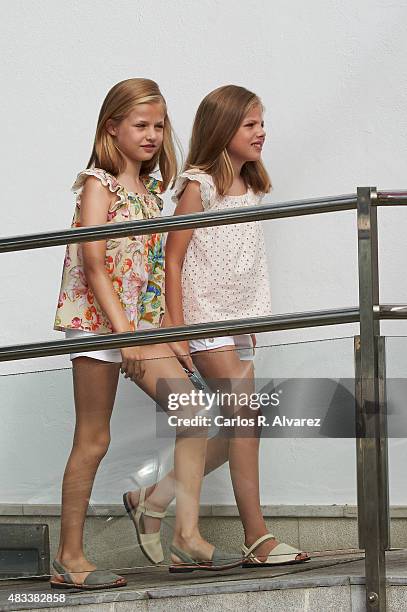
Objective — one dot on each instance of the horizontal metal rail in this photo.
(231, 327)
(391, 198)
(179, 222)
(391, 311)
(185, 332)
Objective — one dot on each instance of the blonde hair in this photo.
(119, 102)
(217, 120)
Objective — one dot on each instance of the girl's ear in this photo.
(111, 127)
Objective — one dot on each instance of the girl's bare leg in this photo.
(189, 453)
(95, 384)
(242, 452)
(161, 494)
(243, 449)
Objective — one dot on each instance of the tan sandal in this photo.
(282, 554)
(150, 543)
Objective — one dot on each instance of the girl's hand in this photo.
(181, 350)
(133, 362)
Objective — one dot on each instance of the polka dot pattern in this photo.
(224, 274)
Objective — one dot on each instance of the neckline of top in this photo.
(241, 195)
(134, 193)
(137, 195)
(226, 195)
(193, 171)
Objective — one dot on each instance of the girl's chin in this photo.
(255, 157)
(140, 157)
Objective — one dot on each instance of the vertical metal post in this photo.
(384, 512)
(372, 445)
(359, 445)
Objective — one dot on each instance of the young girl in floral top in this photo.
(115, 285)
(134, 264)
(220, 273)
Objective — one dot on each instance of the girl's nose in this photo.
(151, 135)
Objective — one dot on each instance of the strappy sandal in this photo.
(150, 543)
(282, 554)
(216, 564)
(98, 579)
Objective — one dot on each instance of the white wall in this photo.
(332, 78)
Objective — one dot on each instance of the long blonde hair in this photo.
(217, 120)
(119, 102)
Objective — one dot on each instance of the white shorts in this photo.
(112, 355)
(242, 343)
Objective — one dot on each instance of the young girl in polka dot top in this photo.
(219, 273)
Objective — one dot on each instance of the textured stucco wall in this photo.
(332, 78)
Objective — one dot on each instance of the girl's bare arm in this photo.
(95, 202)
(176, 247)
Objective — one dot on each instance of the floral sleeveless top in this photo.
(135, 264)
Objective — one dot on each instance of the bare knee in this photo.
(92, 448)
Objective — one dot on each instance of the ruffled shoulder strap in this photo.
(106, 179)
(152, 184)
(206, 185)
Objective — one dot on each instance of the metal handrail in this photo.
(391, 198)
(196, 220)
(185, 332)
(299, 320)
(391, 311)
(179, 222)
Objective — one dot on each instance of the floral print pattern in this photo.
(135, 264)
